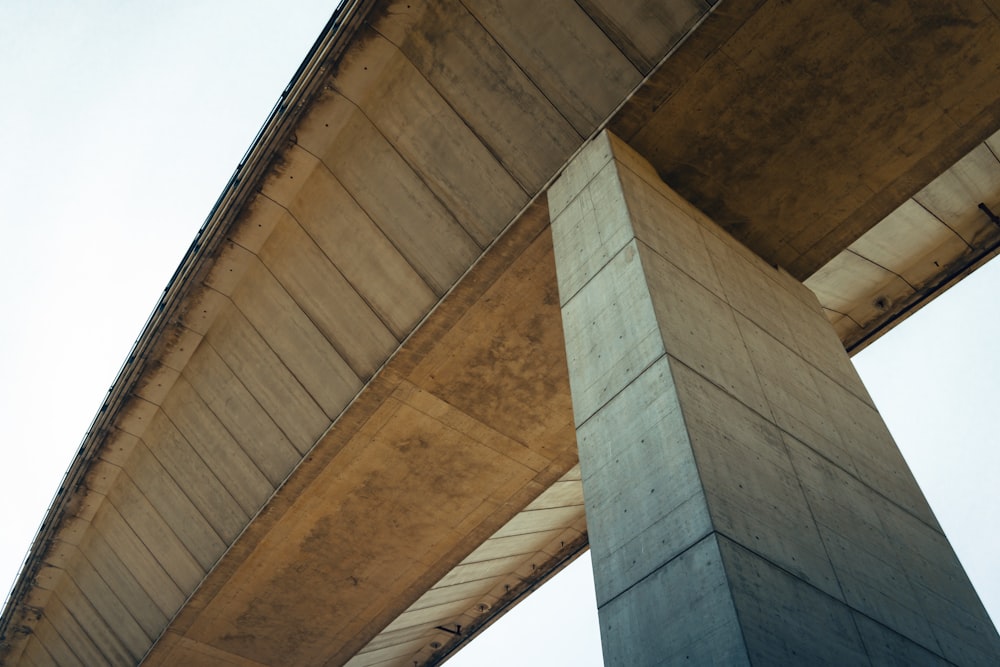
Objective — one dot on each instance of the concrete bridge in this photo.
(490, 255)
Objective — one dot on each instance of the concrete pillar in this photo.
(745, 502)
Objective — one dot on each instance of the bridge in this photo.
(482, 252)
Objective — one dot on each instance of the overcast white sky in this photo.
(121, 123)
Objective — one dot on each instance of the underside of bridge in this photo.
(347, 434)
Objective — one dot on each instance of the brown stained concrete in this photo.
(796, 125)
(799, 125)
(449, 435)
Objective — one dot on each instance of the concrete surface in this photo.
(745, 502)
(357, 377)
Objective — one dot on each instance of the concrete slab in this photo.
(413, 141)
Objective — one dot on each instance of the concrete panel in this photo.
(35, 655)
(431, 137)
(594, 224)
(792, 396)
(464, 591)
(957, 618)
(839, 501)
(204, 306)
(876, 458)
(137, 558)
(258, 220)
(85, 649)
(327, 298)
(752, 291)
(212, 443)
(178, 346)
(483, 434)
(116, 614)
(701, 330)
(973, 179)
(874, 583)
(53, 648)
(645, 30)
(751, 487)
(615, 304)
(200, 482)
(888, 648)
(662, 221)
(348, 237)
(539, 521)
(269, 381)
(843, 283)
(477, 571)
(964, 634)
(86, 504)
(118, 448)
(296, 340)
(819, 345)
(156, 383)
(229, 268)
(101, 478)
(634, 528)
(589, 160)
(241, 414)
(155, 533)
(97, 629)
(61, 557)
(698, 627)
(123, 583)
(883, 557)
(786, 621)
(176, 508)
(136, 416)
(511, 116)
(912, 243)
(571, 60)
(391, 193)
(561, 494)
(397, 654)
(932, 564)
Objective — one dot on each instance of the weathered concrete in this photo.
(379, 275)
(745, 502)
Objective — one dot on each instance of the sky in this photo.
(120, 125)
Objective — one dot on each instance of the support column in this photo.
(745, 502)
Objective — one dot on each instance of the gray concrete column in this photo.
(745, 502)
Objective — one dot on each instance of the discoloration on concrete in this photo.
(407, 146)
(704, 128)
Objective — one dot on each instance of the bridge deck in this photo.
(354, 395)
